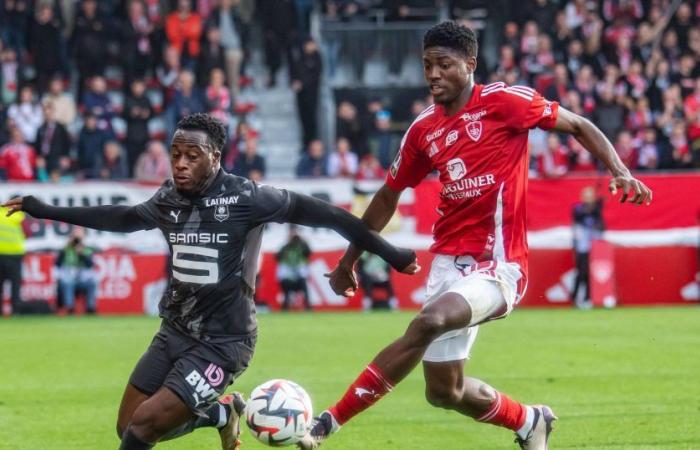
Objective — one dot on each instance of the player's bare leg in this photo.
(447, 387)
(131, 400)
(153, 419)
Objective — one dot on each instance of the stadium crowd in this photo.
(89, 90)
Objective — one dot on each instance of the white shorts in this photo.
(484, 286)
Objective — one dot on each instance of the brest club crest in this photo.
(221, 212)
(474, 130)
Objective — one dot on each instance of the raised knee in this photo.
(443, 397)
(428, 326)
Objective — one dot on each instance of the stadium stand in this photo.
(271, 69)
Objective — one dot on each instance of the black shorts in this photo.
(197, 372)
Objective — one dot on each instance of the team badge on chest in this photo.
(221, 212)
(474, 130)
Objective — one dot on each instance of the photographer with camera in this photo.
(75, 272)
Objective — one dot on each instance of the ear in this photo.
(471, 64)
(216, 157)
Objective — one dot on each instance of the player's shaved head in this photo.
(212, 127)
(451, 34)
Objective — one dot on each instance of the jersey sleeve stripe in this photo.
(524, 89)
(492, 86)
(519, 94)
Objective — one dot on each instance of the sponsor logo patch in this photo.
(474, 130)
(472, 117)
(456, 169)
(452, 137)
(432, 136)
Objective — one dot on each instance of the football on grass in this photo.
(279, 413)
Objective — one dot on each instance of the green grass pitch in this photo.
(618, 379)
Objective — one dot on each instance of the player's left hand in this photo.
(633, 190)
(13, 205)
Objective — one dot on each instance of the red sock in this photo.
(369, 387)
(505, 412)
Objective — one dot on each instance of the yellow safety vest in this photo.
(11, 233)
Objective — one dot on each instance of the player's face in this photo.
(447, 72)
(193, 160)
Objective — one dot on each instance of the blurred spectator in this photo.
(314, 162)
(53, 144)
(112, 163)
(641, 116)
(554, 160)
(75, 272)
(582, 159)
(183, 28)
(342, 162)
(154, 164)
(63, 103)
(279, 28)
(91, 142)
(682, 156)
(692, 115)
(97, 102)
(211, 56)
(588, 226)
(293, 268)
(560, 85)
(17, 158)
(11, 254)
(350, 126)
(15, 16)
(9, 75)
(218, 97)
(137, 112)
(369, 168)
(187, 100)
(249, 164)
(136, 48)
(648, 151)
(306, 80)
(168, 72)
(226, 19)
(88, 43)
(384, 141)
(624, 146)
(46, 45)
(238, 141)
(608, 114)
(375, 281)
(26, 114)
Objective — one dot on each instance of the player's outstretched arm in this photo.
(599, 146)
(316, 213)
(107, 218)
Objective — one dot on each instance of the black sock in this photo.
(214, 419)
(131, 442)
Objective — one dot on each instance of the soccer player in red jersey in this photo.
(475, 136)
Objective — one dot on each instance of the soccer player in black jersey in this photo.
(213, 224)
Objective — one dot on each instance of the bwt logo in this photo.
(203, 391)
(456, 169)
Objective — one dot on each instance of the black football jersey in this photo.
(214, 240)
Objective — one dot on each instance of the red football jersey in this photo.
(481, 156)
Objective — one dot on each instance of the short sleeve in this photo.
(270, 204)
(410, 165)
(527, 109)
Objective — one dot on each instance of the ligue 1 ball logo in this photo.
(474, 130)
(221, 212)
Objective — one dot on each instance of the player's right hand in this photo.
(343, 280)
(13, 205)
